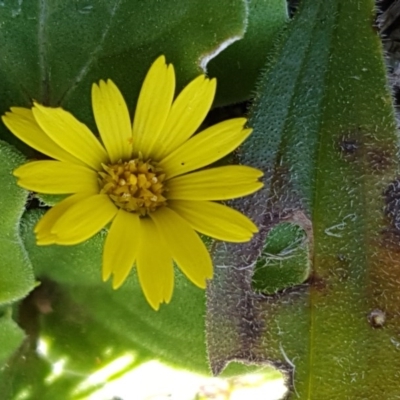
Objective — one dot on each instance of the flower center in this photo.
(135, 186)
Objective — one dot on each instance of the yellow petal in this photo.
(154, 265)
(153, 106)
(220, 183)
(187, 113)
(112, 120)
(215, 220)
(84, 219)
(45, 224)
(206, 147)
(185, 246)
(56, 177)
(121, 247)
(73, 136)
(22, 124)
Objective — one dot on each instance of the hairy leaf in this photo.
(11, 336)
(52, 51)
(324, 134)
(16, 275)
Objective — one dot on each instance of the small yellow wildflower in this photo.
(140, 178)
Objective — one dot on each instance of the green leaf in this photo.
(238, 67)
(48, 363)
(28, 375)
(52, 52)
(16, 275)
(325, 137)
(284, 261)
(11, 336)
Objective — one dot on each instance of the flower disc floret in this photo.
(135, 186)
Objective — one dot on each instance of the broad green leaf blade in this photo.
(52, 52)
(324, 134)
(238, 67)
(16, 275)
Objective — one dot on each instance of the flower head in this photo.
(146, 179)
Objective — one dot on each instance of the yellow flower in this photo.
(140, 177)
